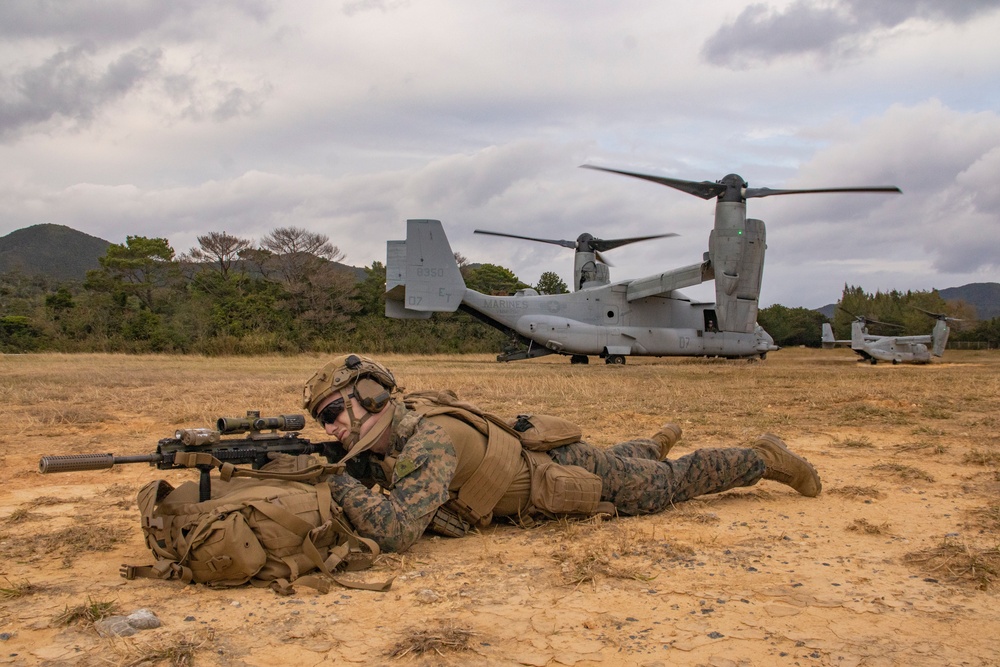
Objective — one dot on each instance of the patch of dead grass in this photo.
(958, 562)
(987, 517)
(620, 550)
(867, 527)
(934, 412)
(854, 491)
(904, 472)
(119, 489)
(866, 413)
(860, 442)
(982, 457)
(582, 568)
(22, 515)
(921, 447)
(86, 536)
(19, 589)
(86, 614)
(448, 638)
(43, 501)
(169, 650)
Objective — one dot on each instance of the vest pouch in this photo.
(540, 433)
(561, 489)
(225, 551)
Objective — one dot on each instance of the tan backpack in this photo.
(268, 532)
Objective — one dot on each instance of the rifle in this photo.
(206, 449)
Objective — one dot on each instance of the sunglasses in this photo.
(329, 414)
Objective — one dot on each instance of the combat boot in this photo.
(783, 466)
(668, 436)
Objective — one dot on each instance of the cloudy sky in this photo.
(172, 119)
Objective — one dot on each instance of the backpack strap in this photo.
(313, 473)
(356, 552)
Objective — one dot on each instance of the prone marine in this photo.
(432, 462)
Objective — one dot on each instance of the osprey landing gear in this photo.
(579, 359)
(616, 359)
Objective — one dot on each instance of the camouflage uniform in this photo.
(634, 480)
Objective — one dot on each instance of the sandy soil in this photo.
(894, 564)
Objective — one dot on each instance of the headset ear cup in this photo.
(371, 395)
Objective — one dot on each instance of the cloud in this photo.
(107, 21)
(947, 222)
(68, 61)
(761, 33)
(353, 7)
(71, 85)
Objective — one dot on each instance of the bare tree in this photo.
(297, 253)
(292, 240)
(220, 248)
(304, 262)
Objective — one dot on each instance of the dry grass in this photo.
(982, 457)
(624, 549)
(988, 517)
(959, 562)
(933, 448)
(743, 540)
(904, 472)
(862, 442)
(19, 589)
(854, 491)
(867, 527)
(22, 514)
(170, 650)
(87, 536)
(449, 638)
(86, 614)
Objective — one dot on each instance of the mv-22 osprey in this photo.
(613, 320)
(895, 349)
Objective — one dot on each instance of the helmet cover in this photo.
(341, 373)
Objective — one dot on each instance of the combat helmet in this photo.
(358, 377)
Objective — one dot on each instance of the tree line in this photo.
(289, 293)
(891, 313)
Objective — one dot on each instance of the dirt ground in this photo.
(895, 563)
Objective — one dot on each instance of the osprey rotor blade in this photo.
(938, 316)
(611, 244)
(842, 309)
(734, 188)
(884, 324)
(751, 193)
(703, 189)
(563, 243)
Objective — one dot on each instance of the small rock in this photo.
(114, 626)
(426, 596)
(126, 626)
(143, 619)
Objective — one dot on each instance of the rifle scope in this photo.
(254, 422)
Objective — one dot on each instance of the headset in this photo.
(371, 394)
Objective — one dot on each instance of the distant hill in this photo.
(984, 297)
(63, 253)
(55, 251)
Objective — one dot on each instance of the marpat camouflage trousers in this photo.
(637, 483)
